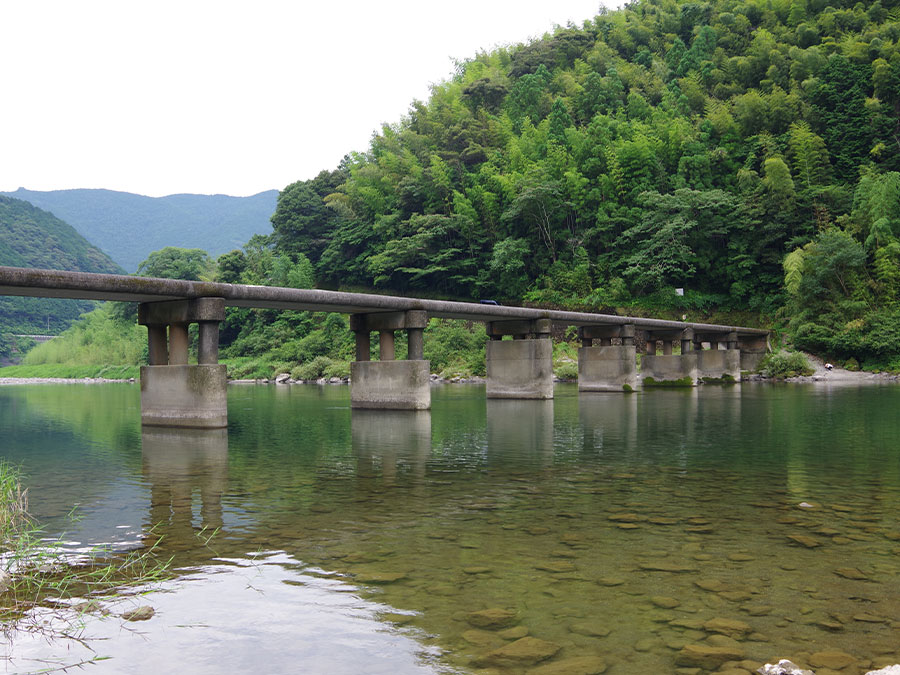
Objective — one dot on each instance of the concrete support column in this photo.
(386, 345)
(415, 344)
(522, 367)
(650, 345)
(363, 345)
(158, 345)
(173, 393)
(389, 384)
(607, 367)
(208, 343)
(178, 344)
(667, 348)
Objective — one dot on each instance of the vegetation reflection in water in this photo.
(758, 521)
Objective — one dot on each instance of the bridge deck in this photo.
(86, 286)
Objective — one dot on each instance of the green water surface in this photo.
(617, 528)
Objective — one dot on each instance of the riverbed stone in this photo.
(804, 540)
(372, 577)
(831, 658)
(610, 581)
(730, 627)
(481, 638)
(736, 595)
(525, 651)
(492, 618)
(664, 601)
(556, 566)
(579, 665)
(707, 656)
(666, 566)
(851, 573)
(711, 585)
(513, 633)
(142, 613)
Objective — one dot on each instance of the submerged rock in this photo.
(832, 658)
(523, 652)
(707, 656)
(579, 665)
(495, 617)
(851, 573)
(141, 613)
(730, 627)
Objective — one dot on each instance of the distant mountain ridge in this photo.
(31, 237)
(128, 227)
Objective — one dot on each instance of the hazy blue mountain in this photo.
(127, 227)
(31, 237)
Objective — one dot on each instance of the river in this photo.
(626, 534)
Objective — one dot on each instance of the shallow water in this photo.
(618, 527)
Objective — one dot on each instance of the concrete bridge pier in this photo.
(605, 366)
(521, 367)
(389, 384)
(669, 369)
(173, 392)
(721, 363)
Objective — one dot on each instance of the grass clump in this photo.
(784, 364)
(37, 573)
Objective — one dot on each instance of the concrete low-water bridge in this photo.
(176, 393)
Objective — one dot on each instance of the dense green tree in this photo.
(172, 262)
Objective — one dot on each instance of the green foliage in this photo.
(172, 262)
(97, 339)
(605, 164)
(455, 347)
(784, 364)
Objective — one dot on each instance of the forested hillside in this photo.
(128, 227)
(30, 237)
(667, 144)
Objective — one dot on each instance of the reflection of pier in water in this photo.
(386, 441)
(609, 421)
(520, 432)
(176, 463)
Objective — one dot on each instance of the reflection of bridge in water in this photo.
(176, 393)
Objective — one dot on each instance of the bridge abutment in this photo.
(390, 384)
(173, 392)
(753, 348)
(521, 368)
(605, 366)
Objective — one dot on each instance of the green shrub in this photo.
(566, 370)
(851, 364)
(784, 364)
(312, 370)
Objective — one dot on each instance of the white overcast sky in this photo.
(226, 97)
